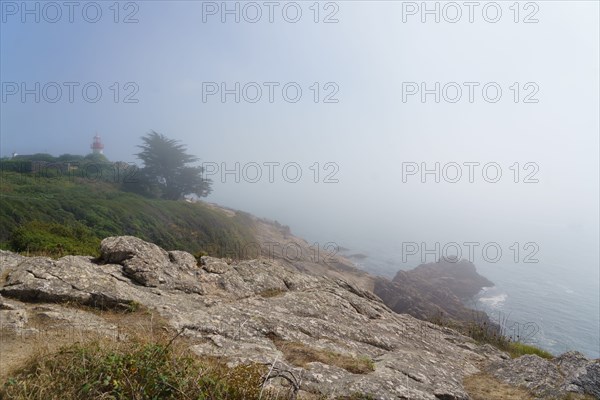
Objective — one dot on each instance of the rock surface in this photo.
(243, 311)
(460, 277)
(571, 372)
(429, 291)
(433, 290)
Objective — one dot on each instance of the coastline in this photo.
(521, 310)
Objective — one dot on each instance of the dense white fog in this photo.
(499, 118)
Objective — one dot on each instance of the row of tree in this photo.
(168, 171)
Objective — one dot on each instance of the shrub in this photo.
(517, 349)
(71, 215)
(485, 332)
(51, 238)
(138, 370)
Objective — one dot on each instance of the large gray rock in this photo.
(143, 262)
(435, 290)
(581, 375)
(571, 372)
(69, 279)
(8, 261)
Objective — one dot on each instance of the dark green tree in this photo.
(69, 158)
(95, 158)
(167, 169)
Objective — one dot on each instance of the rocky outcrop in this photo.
(433, 290)
(430, 291)
(241, 310)
(460, 277)
(244, 311)
(571, 372)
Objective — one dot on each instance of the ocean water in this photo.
(549, 306)
(555, 307)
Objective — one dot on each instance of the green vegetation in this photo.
(486, 333)
(493, 334)
(92, 166)
(167, 173)
(517, 349)
(63, 205)
(53, 239)
(68, 214)
(105, 369)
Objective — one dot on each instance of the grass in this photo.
(133, 370)
(576, 396)
(483, 332)
(517, 349)
(148, 361)
(485, 387)
(70, 215)
(300, 355)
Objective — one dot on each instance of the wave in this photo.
(493, 300)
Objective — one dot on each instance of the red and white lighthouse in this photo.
(97, 146)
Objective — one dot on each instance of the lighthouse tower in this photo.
(97, 146)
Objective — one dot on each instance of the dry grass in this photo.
(48, 336)
(575, 396)
(102, 369)
(485, 387)
(300, 355)
(145, 361)
(272, 292)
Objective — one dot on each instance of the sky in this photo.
(346, 153)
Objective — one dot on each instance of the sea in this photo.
(553, 306)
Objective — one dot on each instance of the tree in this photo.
(69, 158)
(96, 158)
(167, 170)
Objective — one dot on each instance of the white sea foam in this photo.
(495, 300)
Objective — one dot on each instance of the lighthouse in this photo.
(97, 146)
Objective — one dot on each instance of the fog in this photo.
(369, 130)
